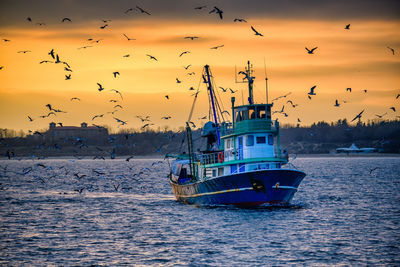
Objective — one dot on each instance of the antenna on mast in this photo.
(266, 81)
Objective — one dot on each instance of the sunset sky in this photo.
(359, 58)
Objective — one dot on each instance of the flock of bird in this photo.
(56, 58)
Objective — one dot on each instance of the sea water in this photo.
(92, 212)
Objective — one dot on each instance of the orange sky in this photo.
(356, 58)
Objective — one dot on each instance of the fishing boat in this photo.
(242, 163)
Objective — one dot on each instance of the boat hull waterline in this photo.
(242, 189)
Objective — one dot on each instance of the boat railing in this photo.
(210, 158)
(248, 125)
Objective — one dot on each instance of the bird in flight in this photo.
(312, 91)
(178, 81)
(118, 92)
(380, 116)
(391, 49)
(167, 96)
(142, 10)
(120, 121)
(187, 66)
(75, 98)
(200, 7)
(104, 26)
(216, 47)
(30, 119)
(358, 116)
(98, 116)
(166, 118)
(127, 55)
(373, 169)
(151, 57)
(218, 11)
(311, 51)
(256, 32)
(66, 19)
(128, 10)
(398, 95)
(184, 52)
(29, 19)
(100, 87)
(84, 47)
(117, 106)
(239, 20)
(348, 89)
(45, 61)
(191, 37)
(337, 103)
(129, 39)
(232, 92)
(24, 51)
(68, 77)
(393, 108)
(115, 73)
(67, 69)
(223, 89)
(191, 73)
(51, 53)
(347, 27)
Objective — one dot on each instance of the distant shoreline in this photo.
(160, 157)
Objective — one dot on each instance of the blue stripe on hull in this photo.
(247, 189)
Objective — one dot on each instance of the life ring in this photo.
(220, 157)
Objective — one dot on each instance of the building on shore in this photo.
(354, 149)
(85, 133)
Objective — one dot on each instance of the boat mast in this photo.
(266, 81)
(190, 140)
(250, 81)
(211, 92)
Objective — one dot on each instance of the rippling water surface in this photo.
(341, 215)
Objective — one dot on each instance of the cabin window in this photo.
(260, 139)
(270, 140)
(220, 171)
(214, 172)
(242, 167)
(252, 114)
(252, 167)
(263, 166)
(261, 112)
(250, 140)
(233, 168)
(238, 115)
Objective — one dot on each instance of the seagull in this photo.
(120, 121)
(177, 80)
(191, 37)
(166, 117)
(49, 107)
(393, 108)
(84, 47)
(373, 169)
(200, 7)
(218, 11)
(118, 92)
(311, 51)
(312, 90)
(191, 89)
(186, 67)
(358, 116)
(100, 87)
(380, 116)
(336, 103)
(66, 19)
(30, 119)
(216, 47)
(185, 52)
(127, 55)
(67, 69)
(128, 10)
(191, 73)
(129, 39)
(24, 51)
(6, 40)
(232, 92)
(391, 49)
(57, 59)
(68, 77)
(365, 91)
(104, 26)
(115, 73)
(347, 27)
(240, 20)
(98, 116)
(223, 89)
(128, 159)
(40, 23)
(114, 101)
(348, 89)
(398, 95)
(75, 98)
(142, 10)
(151, 57)
(256, 32)
(29, 19)
(117, 106)
(167, 96)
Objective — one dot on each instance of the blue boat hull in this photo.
(242, 189)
